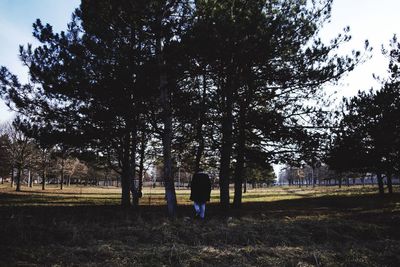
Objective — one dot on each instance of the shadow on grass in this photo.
(331, 230)
(307, 205)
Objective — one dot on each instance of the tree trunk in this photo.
(239, 170)
(106, 181)
(125, 184)
(44, 179)
(62, 173)
(340, 182)
(237, 200)
(132, 167)
(125, 177)
(380, 184)
(313, 176)
(165, 99)
(30, 179)
(19, 170)
(226, 148)
(199, 134)
(166, 140)
(389, 183)
(225, 161)
(141, 163)
(12, 176)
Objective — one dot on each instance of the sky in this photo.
(374, 20)
(16, 19)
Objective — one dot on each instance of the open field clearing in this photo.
(86, 195)
(276, 227)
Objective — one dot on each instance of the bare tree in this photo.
(20, 150)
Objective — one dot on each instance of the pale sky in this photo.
(374, 20)
(16, 19)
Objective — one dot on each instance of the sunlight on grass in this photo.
(86, 195)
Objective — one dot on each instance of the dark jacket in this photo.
(200, 188)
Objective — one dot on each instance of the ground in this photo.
(282, 226)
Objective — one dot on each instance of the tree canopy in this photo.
(221, 81)
(368, 135)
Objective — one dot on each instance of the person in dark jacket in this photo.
(200, 191)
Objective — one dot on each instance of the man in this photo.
(200, 191)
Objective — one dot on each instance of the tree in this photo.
(5, 162)
(120, 68)
(368, 137)
(20, 150)
(88, 84)
(266, 59)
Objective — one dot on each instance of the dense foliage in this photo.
(223, 84)
(368, 139)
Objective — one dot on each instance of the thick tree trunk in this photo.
(199, 134)
(380, 184)
(125, 177)
(226, 148)
(237, 200)
(132, 167)
(225, 161)
(165, 99)
(313, 176)
(44, 179)
(12, 176)
(239, 170)
(125, 184)
(19, 171)
(168, 177)
(389, 183)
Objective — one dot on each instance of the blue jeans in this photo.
(200, 209)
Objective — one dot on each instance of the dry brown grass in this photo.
(84, 195)
(275, 227)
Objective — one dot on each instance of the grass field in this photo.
(282, 226)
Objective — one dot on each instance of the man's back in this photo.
(200, 187)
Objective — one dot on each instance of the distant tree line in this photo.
(323, 175)
(23, 161)
(232, 86)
